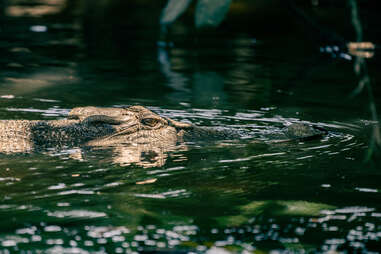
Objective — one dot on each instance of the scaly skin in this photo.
(93, 126)
(23, 136)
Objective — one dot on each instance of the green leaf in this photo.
(211, 12)
(173, 10)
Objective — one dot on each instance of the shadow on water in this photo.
(234, 196)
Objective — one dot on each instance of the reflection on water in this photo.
(36, 10)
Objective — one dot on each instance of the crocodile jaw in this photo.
(163, 136)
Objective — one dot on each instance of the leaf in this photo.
(173, 10)
(211, 12)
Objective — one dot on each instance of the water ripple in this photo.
(76, 214)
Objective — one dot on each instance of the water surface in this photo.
(238, 196)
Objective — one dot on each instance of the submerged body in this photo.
(92, 126)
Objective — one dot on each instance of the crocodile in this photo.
(108, 127)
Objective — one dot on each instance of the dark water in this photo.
(224, 197)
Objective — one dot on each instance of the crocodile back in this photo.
(15, 136)
(23, 136)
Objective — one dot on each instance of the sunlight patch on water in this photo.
(166, 170)
(46, 100)
(8, 96)
(63, 204)
(305, 157)
(57, 187)
(252, 157)
(113, 184)
(9, 179)
(81, 192)
(52, 228)
(76, 214)
(53, 111)
(12, 241)
(318, 147)
(366, 189)
(38, 28)
(354, 210)
(105, 232)
(164, 195)
(69, 250)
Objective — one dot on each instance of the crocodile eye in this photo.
(152, 122)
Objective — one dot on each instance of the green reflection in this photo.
(274, 208)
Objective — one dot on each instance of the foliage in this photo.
(207, 12)
(173, 10)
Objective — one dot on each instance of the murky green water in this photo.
(223, 197)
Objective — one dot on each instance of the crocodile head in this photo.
(135, 124)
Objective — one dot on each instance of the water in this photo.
(238, 196)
